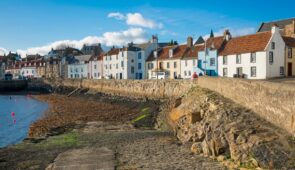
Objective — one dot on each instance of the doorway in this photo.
(290, 69)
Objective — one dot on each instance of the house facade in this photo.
(165, 63)
(208, 55)
(79, 69)
(255, 56)
(289, 56)
(189, 60)
(96, 67)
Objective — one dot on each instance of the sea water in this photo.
(17, 113)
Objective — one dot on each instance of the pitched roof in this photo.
(83, 57)
(214, 43)
(180, 51)
(193, 52)
(290, 41)
(280, 23)
(246, 44)
(200, 40)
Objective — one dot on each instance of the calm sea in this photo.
(16, 115)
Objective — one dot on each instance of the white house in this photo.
(255, 56)
(128, 62)
(96, 67)
(29, 71)
(79, 69)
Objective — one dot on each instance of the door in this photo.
(290, 69)
(239, 71)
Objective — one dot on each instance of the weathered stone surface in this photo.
(85, 159)
(225, 128)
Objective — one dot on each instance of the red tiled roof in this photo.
(214, 42)
(246, 44)
(163, 53)
(290, 41)
(193, 52)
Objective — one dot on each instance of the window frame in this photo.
(251, 71)
(253, 57)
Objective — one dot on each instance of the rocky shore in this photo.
(89, 121)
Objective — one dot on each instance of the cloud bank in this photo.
(136, 19)
(136, 35)
(3, 51)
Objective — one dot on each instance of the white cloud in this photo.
(136, 35)
(136, 19)
(3, 51)
(116, 15)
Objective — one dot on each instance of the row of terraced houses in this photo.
(269, 53)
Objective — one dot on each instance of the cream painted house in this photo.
(255, 56)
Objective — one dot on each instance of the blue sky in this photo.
(45, 23)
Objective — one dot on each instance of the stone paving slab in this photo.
(85, 159)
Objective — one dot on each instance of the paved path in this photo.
(85, 159)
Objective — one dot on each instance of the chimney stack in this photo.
(189, 42)
(154, 39)
(227, 35)
(274, 28)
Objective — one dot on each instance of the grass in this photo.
(145, 112)
(65, 140)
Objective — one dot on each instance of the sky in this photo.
(36, 26)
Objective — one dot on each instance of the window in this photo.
(139, 66)
(122, 64)
(110, 58)
(253, 58)
(224, 72)
(289, 52)
(117, 66)
(225, 60)
(171, 53)
(282, 70)
(270, 57)
(150, 66)
(82, 70)
(194, 62)
(175, 64)
(239, 71)
(94, 66)
(106, 66)
(110, 66)
(168, 65)
(238, 59)
(253, 71)
(132, 70)
(184, 73)
(212, 61)
(189, 73)
(139, 55)
(273, 45)
(185, 63)
(161, 65)
(94, 74)
(132, 61)
(71, 70)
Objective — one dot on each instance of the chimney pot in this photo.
(189, 42)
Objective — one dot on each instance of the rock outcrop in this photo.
(219, 128)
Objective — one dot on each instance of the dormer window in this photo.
(170, 53)
(155, 54)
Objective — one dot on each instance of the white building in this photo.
(29, 72)
(79, 69)
(96, 67)
(128, 62)
(256, 56)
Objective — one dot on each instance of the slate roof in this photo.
(280, 23)
(246, 44)
(290, 41)
(83, 57)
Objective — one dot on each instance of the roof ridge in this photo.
(251, 34)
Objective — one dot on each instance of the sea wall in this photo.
(160, 89)
(274, 102)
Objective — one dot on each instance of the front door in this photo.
(290, 69)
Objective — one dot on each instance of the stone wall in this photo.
(274, 102)
(134, 88)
